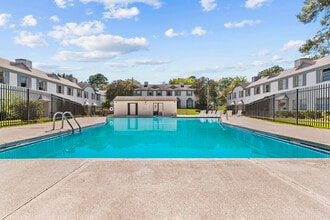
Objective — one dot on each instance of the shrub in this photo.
(20, 110)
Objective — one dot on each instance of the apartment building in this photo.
(21, 73)
(305, 73)
(184, 94)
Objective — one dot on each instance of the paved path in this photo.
(166, 188)
(305, 133)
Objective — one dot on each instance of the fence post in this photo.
(28, 105)
(297, 106)
(273, 107)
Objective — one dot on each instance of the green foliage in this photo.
(207, 91)
(226, 85)
(186, 81)
(98, 81)
(319, 45)
(120, 88)
(272, 70)
(20, 110)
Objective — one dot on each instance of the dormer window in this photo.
(2, 77)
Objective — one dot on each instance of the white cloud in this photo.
(241, 24)
(63, 3)
(4, 18)
(199, 31)
(147, 62)
(255, 3)
(31, 40)
(277, 59)
(263, 53)
(73, 29)
(122, 13)
(118, 9)
(292, 45)
(101, 47)
(170, 33)
(208, 5)
(29, 20)
(259, 63)
(54, 18)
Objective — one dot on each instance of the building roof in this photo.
(17, 67)
(145, 98)
(164, 87)
(303, 67)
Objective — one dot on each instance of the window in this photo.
(168, 93)
(282, 84)
(42, 85)
(229, 96)
(299, 80)
(189, 93)
(98, 97)
(247, 92)
(138, 92)
(302, 104)
(266, 88)
(240, 94)
(70, 91)
(326, 75)
(2, 77)
(60, 89)
(159, 93)
(23, 81)
(234, 95)
(257, 90)
(86, 95)
(79, 93)
(150, 93)
(322, 103)
(177, 93)
(93, 96)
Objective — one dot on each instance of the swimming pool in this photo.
(162, 137)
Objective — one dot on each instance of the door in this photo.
(132, 109)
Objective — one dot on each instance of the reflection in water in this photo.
(162, 138)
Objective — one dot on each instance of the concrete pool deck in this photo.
(166, 188)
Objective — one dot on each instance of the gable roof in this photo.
(17, 67)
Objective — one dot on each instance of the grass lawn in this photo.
(306, 122)
(184, 111)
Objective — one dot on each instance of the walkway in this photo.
(163, 189)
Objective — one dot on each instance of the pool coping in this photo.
(16, 144)
(323, 148)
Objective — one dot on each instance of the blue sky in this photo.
(153, 40)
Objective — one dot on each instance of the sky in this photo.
(153, 40)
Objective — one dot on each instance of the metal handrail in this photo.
(66, 118)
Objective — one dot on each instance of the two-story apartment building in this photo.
(184, 94)
(21, 73)
(305, 73)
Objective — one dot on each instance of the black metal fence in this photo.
(21, 105)
(307, 106)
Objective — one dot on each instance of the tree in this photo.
(319, 45)
(186, 81)
(270, 71)
(206, 90)
(227, 85)
(98, 81)
(120, 88)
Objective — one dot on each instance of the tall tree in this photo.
(319, 45)
(120, 88)
(270, 71)
(186, 81)
(98, 81)
(206, 90)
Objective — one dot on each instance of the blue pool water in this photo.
(162, 138)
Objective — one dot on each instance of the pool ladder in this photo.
(64, 117)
